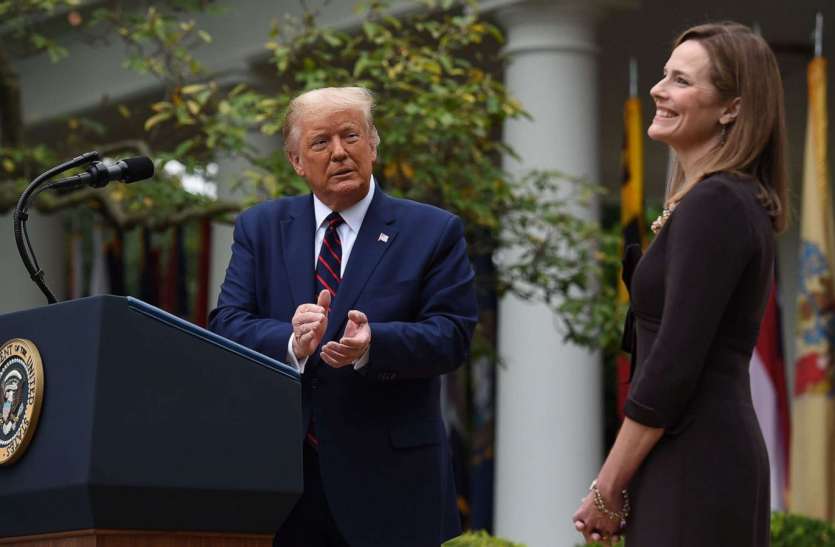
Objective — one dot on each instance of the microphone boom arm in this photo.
(21, 215)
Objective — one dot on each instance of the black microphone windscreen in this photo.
(138, 168)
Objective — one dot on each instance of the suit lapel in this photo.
(376, 234)
(297, 237)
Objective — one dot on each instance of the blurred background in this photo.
(527, 118)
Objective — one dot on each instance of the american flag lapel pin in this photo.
(383, 237)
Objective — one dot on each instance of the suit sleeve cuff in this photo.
(363, 360)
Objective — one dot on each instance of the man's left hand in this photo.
(353, 344)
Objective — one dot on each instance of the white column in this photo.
(549, 394)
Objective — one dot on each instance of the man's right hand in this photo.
(309, 324)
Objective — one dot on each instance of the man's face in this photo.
(335, 154)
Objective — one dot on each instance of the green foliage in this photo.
(551, 253)
(480, 539)
(22, 21)
(440, 113)
(789, 530)
(437, 110)
(161, 38)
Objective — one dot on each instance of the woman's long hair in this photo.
(742, 65)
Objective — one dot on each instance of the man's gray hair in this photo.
(330, 98)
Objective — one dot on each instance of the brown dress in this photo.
(698, 296)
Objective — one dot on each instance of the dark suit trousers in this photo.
(310, 523)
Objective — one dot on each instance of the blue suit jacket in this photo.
(383, 452)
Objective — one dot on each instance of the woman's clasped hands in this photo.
(601, 517)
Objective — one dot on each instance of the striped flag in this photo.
(99, 281)
(631, 214)
(149, 276)
(174, 297)
(771, 403)
(813, 418)
(78, 241)
(204, 262)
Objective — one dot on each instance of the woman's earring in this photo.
(723, 133)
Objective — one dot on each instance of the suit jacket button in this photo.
(314, 384)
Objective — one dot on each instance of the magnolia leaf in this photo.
(156, 119)
(192, 89)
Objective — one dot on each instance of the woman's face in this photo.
(688, 108)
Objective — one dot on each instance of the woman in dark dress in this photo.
(690, 457)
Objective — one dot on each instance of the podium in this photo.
(152, 432)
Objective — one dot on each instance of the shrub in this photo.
(480, 539)
(787, 530)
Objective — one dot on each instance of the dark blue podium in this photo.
(150, 424)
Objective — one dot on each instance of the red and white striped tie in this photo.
(329, 263)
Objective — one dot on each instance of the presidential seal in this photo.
(21, 382)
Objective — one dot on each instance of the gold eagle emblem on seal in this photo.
(22, 383)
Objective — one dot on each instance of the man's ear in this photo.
(296, 161)
(731, 111)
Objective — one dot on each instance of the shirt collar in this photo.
(353, 215)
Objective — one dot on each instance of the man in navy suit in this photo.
(372, 298)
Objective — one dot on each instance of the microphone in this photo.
(99, 174)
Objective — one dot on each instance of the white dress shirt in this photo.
(348, 231)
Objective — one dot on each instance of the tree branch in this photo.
(113, 213)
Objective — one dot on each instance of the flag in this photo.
(813, 427)
(99, 280)
(174, 297)
(78, 257)
(114, 255)
(73, 261)
(149, 277)
(631, 214)
(482, 378)
(771, 403)
(201, 299)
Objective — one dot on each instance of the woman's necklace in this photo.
(658, 223)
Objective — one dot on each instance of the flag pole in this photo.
(633, 77)
(818, 34)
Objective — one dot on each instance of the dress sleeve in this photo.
(707, 249)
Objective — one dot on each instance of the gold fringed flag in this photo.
(812, 480)
(631, 213)
(632, 184)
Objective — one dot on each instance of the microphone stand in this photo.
(24, 246)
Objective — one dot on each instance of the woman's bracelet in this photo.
(600, 505)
